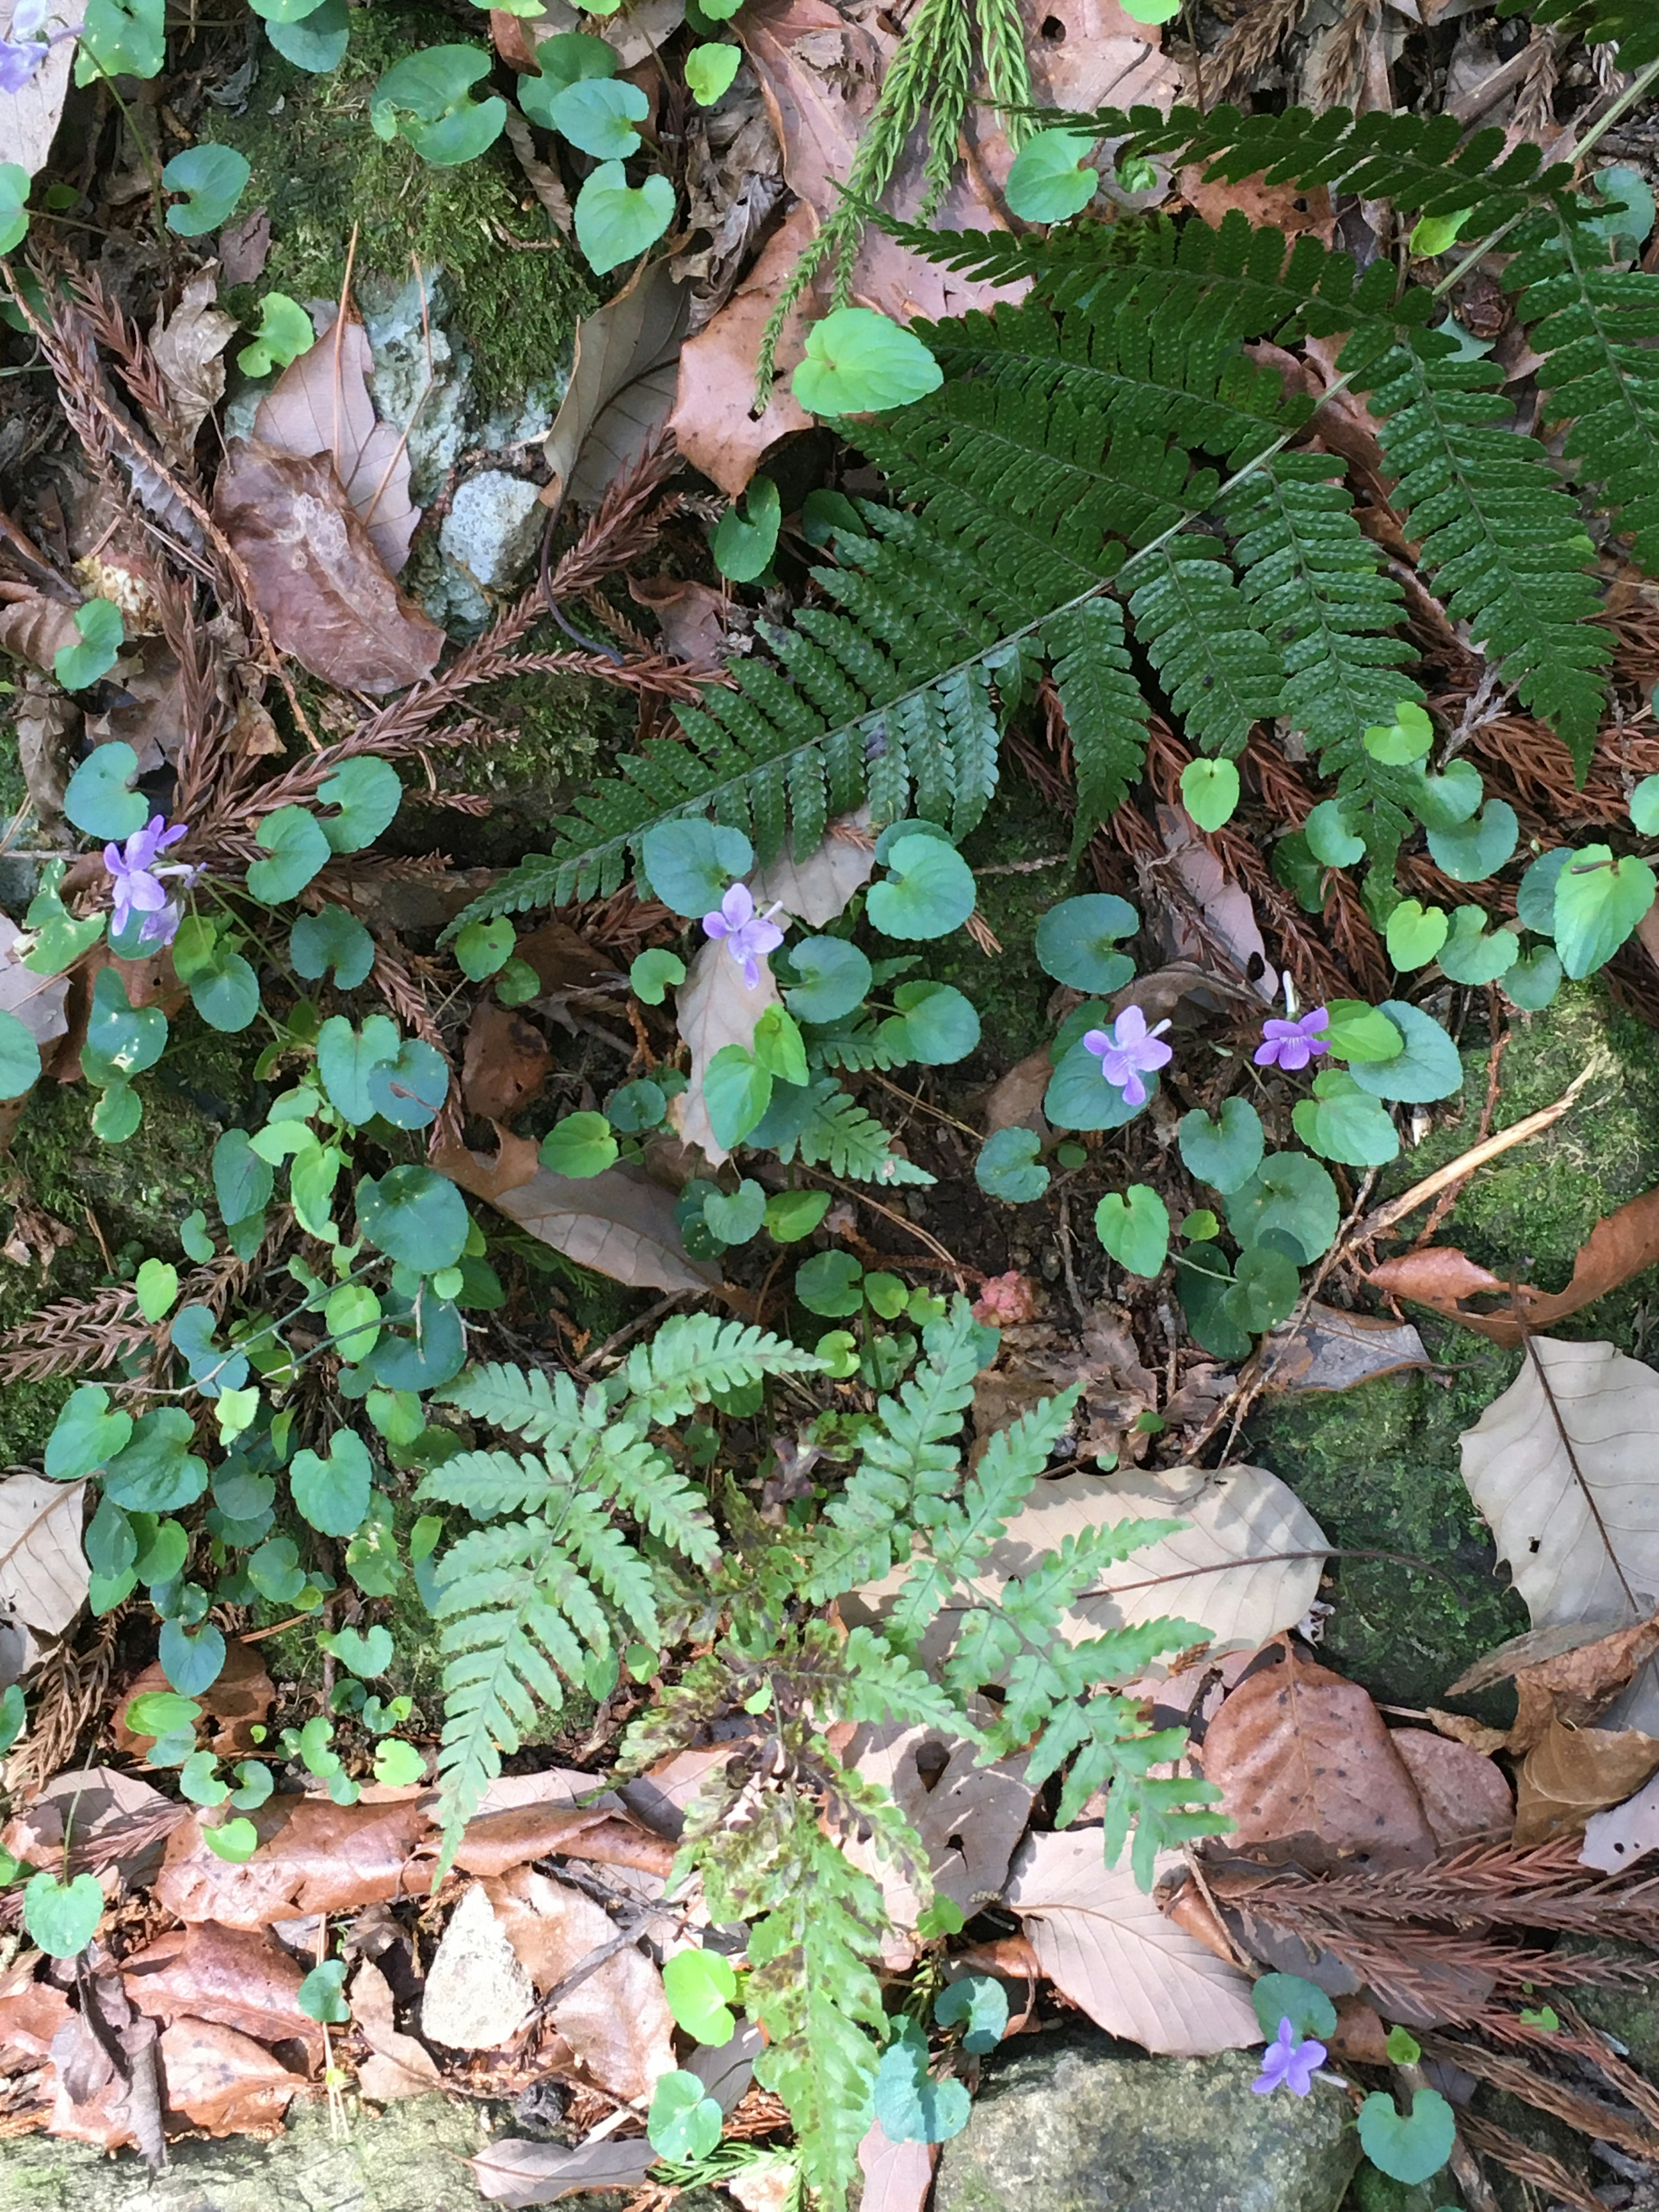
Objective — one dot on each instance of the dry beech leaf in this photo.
(969, 1818)
(1299, 1754)
(505, 1062)
(508, 1837)
(320, 584)
(188, 349)
(1570, 1673)
(29, 2020)
(241, 1978)
(1464, 1796)
(896, 2175)
(43, 1571)
(514, 2173)
(819, 888)
(1579, 1529)
(1229, 918)
(1103, 1943)
(1334, 1350)
(1236, 1516)
(120, 1822)
(1620, 1246)
(715, 1007)
(313, 1857)
(691, 617)
(239, 1702)
(621, 385)
(320, 404)
(38, 629)
(39, 1005)
(1613, 1840)
(515, 1162)
(1015, 1100)
(620, 1223)
(398, 2064)
(1571, 1773)
(712, 422)
(617, 2020)
(222, 2082)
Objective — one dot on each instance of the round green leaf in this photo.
(1209, 791)
(910, 2105)
(832, 978)
(572, 56)
(1330, 840)
(936, 1024)
(1265, 1289)
(1408, 2150)
(191, 1663)
(1415, 933)
(352, 1317)
(335, 940)
(1051, 180)
(597, 114)
(122, 1040)
(427, 95)
(929, 893)
(294, 840)
(793, 1214)
(103, 633)
(1479, 846)
(396, 1764)
(1356, 1031)
(979, 2003)
(1471, 954)
(242, 1181)
(1075, 942)
(1287, 1996)
(1080, 1098)
(615, 221)
(368, 794)
(1446, 801)
(858, 361)
(1534, 895)
(736, 1090)
(366, 1654)
(1151, 11)
(1428, 1068)
(320, 1996)
(234, 1841)
(20, 1058)
(700, 1986)
(14, 183)
(483, 946)
(1289, 1197)
(1533, 980)
(1342, 1123)
(99, 799)
(1644, 806)
(1008, 1167)
(709, 71)
(1134, 1228)
(581, 1144)
(416, 1215)
(1598, 903)
(212, 178)
(1408, 737)
(653, 973)
(332, 1493)
(62, 1917)
(1226, 1153)
(410, 1091)
(746, 536)
(636, 1107)
(318, 43)
(830, 1284)
(736, 1216)
(87, 1435)
(684, 2122)
(346, 1057)
(156, 1472)
(690, 864)
(226, 993)
(117, 1113)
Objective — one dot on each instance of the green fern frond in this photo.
(1221, 674)
(1591, 323)
(546, 1409)
(490, 1483)
(1105, 713)
(855, 1043)
(1630, 25)
(818, 1124)
(1499, 532)
(693, 1355)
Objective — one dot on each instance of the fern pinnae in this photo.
(1221, 674)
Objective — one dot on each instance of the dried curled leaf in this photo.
(320, 405)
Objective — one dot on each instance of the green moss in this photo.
(1011, 992)
(318, 168)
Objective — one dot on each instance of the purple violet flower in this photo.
(1127, 1051)
(749, 936)
(1289, 2063)
(139, 886)
(1292, 1045)
(22, 53)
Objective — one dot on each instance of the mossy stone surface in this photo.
(1078, 2123)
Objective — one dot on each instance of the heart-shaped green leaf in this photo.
(1446, 801)
(87, 1434)
(1428, 1066)
(1342, 1123)
(213, 178)
(121, 38)
(99, 799)
(1477, 848)
(858, 362)
(242, 1181)
(397, 1764)
(1223, 1153)
(1287, 1996)
(156, 1472)
(909, 2104)
(580, 1144)
(685, 2122)
(1407, 738)
(317, 42)
(62, 1918)
(1408, 2150)
(14, 205)
(428, 95)
(331, 940)
(1354, 1030)
(332, 1493)
(1289, 1197)
(1134, 1228)
(284, 333)
(1077, 940)
(690, 864)
(1533, 980)
(1265, 1288)
(117, 1113)
(483, 946)
(122, 1040)
(410, 1091)
(193, 1663)
(368, 792)
(1008, 1167)
(156, 1286)
(1474, 955)
(746, 536)
(831, 978)
(1330, 838)
(616, 222)
(1415, 934)
(793, 1214)
(294, 840)
(320, 1996)
(598, 115)
(831, 1284)
(736, 1090)
(416, 1215)
(366, 1653)
(979, 2003)
(1051, 179)
(346, 1057)
(929, 893)
(20, 1058)
(736, 1216)
(234, 1841)
(1209, 791)
(700, 1986)
(103, 633)
(709, 71)
(1598, 903)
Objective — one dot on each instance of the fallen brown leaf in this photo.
(29, 2019)
(969, 1818)
(38, 628)
(188, 349)
(1465, 1797)
(1229, 923)
(1569, 1673)
(319, 405)
(505, 1062)
(617, 2019)
(314, 1856)
(495, 1842)
(514, 2173)
(690, 616)
(821, 887)
(619, 1223)
(1015, 1100)
(516, 1162)
(239, 1702)
(222, 2082)
(715, 1006)
(239, 1977)
(1303, 1758)
(1613, 1840)
(43, 1571)
(1571, 1773)
(397, 2066)
(320, 581)
(897, 2175)
(1360, 2036)
(621, 385)
(1335, 1351)
(119, 1821)
(245, 248)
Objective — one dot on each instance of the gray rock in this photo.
(493, 527)
(477, 1994)
(1080, 2124)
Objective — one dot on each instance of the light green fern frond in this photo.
(693, 1355)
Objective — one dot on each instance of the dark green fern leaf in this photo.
(1221, 674)
(1633, 25)
(1500, 533)
(1591, 322)
(1105, 713)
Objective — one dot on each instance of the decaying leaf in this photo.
(38, 628)
(1302, 1757)
(39, 1002)
(969, 1817)
(320, 404)
(124, 1814)
(239, 1978)
(397, 2066)
(1620, 1246)
(1464, 1796)
(1015, 1100)
(1563, 1477)
(819, 888)
(1570, 1673)
(43, 1571)
(477, 1995)
(1334, 1350)
(1572, 1772)
(514, 2173)
(621, 384)
(715, 1007)
(1616, 1839)
(238, 1702)
(189, 347)
(505, 1837)
(691, 617)
(897, 2175)
(505, 1062)
(1103, 1943)
(616, 2020)
(620, 1223)
(513, 1162)
(1214, 921)
(222, 2082)
(314, 1856)
(320, 583)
